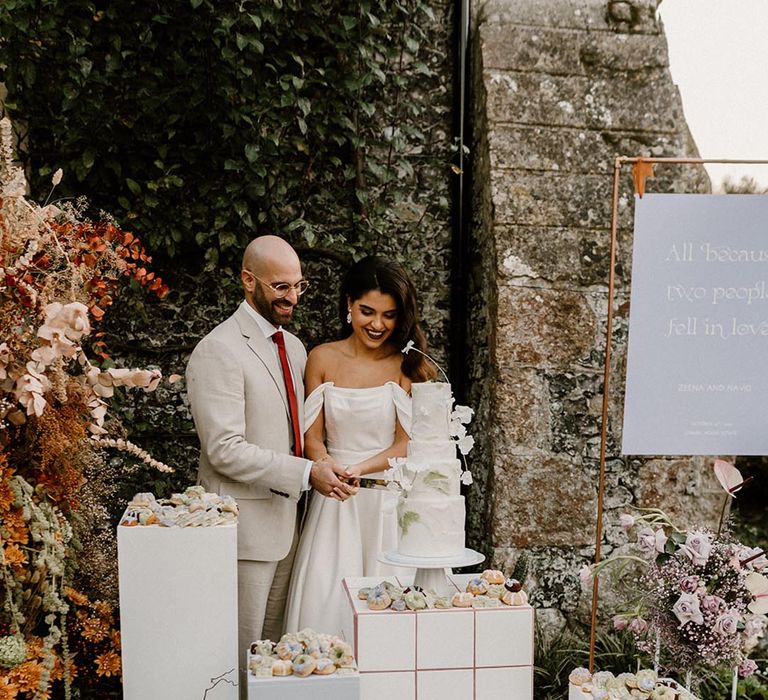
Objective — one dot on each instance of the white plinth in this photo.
(178, 612)
(313, 687)
(456, 654)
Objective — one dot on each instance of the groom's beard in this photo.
(278, 312)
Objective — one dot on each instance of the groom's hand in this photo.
(324, 477)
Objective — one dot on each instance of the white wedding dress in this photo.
(341, 539)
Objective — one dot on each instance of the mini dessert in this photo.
(516, 598)
(443, 603)
(282, 667)
(580, 676)
(263, 647)
(398, 605)
(415, 600)
(496, 590)
(512, 584)
(324, 667)
(462, 600)
(477, 586)
(484, 601)
(363, 593)
(304, 664)
(378, 599)
(288, 649)
(493, 576)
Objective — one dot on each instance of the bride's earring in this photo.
(349, 315)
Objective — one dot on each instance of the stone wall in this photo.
(561, 87)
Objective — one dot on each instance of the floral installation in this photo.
(701, 597)
(59, 274)
(301, 654)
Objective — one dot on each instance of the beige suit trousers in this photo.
(262, 592)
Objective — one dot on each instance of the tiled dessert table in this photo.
(178, 612)
(460, 653)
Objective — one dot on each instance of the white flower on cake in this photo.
(466, 444)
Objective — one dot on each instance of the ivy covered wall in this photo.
(200, 124)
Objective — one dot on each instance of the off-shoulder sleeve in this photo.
(402, 401)
(313, 404)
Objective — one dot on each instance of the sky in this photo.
(718, 54)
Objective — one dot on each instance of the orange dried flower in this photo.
(13, 556)
(75, 596)
(94, 628)
(27, 676)
(8, 689)
(108, 664)
(14, 525)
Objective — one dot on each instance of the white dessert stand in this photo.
(430, 571)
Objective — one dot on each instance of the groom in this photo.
(246, 394)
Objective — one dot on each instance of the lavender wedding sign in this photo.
(697, 362)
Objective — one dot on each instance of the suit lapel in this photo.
(262, 349)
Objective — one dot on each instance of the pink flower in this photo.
(638, 625)
(689, 584)
(72, 319)
(651, 543)
(626, 521)
(747, 668)
(687, 609)
(620, 622)
(712, 603)
(697, 547)
(727, 623)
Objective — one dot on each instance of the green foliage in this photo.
(201, 123)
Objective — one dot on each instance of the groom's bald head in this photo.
(270, 260)
(267, 252)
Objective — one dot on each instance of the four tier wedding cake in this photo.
(431, 511)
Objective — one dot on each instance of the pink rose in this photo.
(687, 609)
(697, 547)
(727, 623)
(651, 543)
(712, 603)
(689, 584)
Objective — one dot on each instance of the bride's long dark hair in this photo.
(376, 273)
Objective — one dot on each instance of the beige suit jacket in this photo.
(240, 408)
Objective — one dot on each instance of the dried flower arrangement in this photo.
(59, 274)
(700, 598)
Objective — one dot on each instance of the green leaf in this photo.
(133, 186)
(407, 519)
(251, 152)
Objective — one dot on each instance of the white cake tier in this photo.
(422, 451)
(432, 405)
(431, 526)
(434, 479)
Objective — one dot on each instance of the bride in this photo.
(358, 413)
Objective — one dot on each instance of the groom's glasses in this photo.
(282, 289)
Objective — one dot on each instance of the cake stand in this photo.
(430, 571)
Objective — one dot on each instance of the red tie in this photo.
(289, 390)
